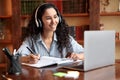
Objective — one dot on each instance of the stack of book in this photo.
(77, 32)
(80, 31)
(75, 6)
(71, 31)
(28, 6)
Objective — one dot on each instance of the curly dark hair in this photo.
(61, 30)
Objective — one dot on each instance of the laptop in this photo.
(99, 50)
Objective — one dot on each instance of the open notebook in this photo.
(46, 61)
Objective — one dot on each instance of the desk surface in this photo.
(29, 73)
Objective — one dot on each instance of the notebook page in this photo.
(47, 61)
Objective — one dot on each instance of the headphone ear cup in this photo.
(40, 23)
(60, 20)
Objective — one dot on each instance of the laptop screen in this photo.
(99, 49)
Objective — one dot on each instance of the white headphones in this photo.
(38, 21)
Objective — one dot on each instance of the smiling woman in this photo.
(47, 35)
(50, 20)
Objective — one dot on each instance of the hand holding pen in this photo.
(33, 58)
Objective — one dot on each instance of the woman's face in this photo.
(50, 20)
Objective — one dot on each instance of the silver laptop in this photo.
(99, 51)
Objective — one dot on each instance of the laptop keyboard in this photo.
(76, 66)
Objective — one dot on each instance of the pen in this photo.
(30, 50)
(7, 52)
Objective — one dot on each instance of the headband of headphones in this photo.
(38, 21)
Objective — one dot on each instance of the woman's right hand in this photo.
(34, 58)
(30, 58)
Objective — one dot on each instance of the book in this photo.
(74, 6)
(46, 61)
(79, 31)
(28, 6)
(71, 31)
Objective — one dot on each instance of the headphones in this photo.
(38, 21)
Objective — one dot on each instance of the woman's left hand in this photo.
(76, 56)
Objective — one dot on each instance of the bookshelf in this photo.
(77, 9)
(61, 4)
(9, 18)
(16, 14)
(27, 6)
(6, 11)
(5, 26)
(74, 6)
(71, 7)
(15, 17)
(5, 42)
(76, 15)
(110, 14)
(95, 16)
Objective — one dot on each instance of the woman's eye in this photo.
(56, 16)
(48, 18)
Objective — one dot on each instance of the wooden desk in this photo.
(29, 73)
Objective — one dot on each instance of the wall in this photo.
(112, 23)
(77, 21)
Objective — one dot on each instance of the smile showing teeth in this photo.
(52, 26)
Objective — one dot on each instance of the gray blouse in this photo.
(39, 47)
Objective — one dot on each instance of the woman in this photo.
(48, 36)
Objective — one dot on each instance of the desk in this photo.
(29, 73)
